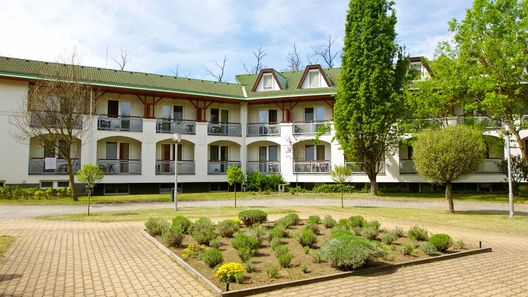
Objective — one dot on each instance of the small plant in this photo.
(389, 238)
(203, 231)
(314, 219)
(259, 232)
(429, 249)
(350, 252)
(241, 240)
(289, 220)
(280, 249)
(306, 249)
(230, 272)
(192, 251)
(398, 231)
(306, 237)
(329, 222)
(172, 236)
(414, 243)
(405, 249)
(154, 226)
(314, 228)
(418, 233)
(273, 271)
(182, 222)
(345, 222)
(285, 260)
(459, 245)
(370, 230)
(356, 221)
(215, 243)
(303, 267)
(317, 257)
(250, 267)
(442, 242)
(275, 242)
(278, 231)
(252, 216)
(212, 257)
(227, 228)
(245, 254)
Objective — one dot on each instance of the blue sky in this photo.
(188, 36)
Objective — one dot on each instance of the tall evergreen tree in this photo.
(370, 86)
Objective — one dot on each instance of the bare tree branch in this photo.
(312, 59)
(219, 75)
(259, 55)
(123, 60)
(294, 59)
(325, 52)
(176, 72)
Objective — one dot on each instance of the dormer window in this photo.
(314, 79)
(267, 82)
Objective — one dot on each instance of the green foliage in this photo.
(334, 188)
(182, 222)
(90, 174)
(519, 172)
(442, 242)
(350, 252)
(258, 182)
(275, 242)
(389, 238)
(317, 257)
(459, 245)
(171, 236)
(203, 231)
(405, 249)
(356, 221)
(340, 174)
(273, 271)
(429, 249)
(285, 260)
(154, 226)
(230, 272)
(418, 233)
(241, 241)
(280, 249)
(370, 230)
(212, 257)
(250, 266)
(329, 222)
(252, 216)
(303, 267)
(314, 219)
(306, 249)
(278, 231)
(289, 220)
(234, 175)
(25, 193)
(314, 228)
(227, 228)
(306, 237)
(245, 254)
(398, 231)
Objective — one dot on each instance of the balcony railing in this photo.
(266, 167)
(120, 123)
(171, 126)
(407, 167)
(225, 129)
(356, 168)
(52, 167)
(263, 129)
(490, 166)
(167, 167)
(119, 167)
(220, 167)
(312, 127)
(51, 119)
(484, 121)
(322, 166)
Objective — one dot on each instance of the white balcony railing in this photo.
(119, 167)
(266, 167)
(263, 129)
(171, 126)
(316, 166)
(120, 123)
(220, 167)
(224, 129)
(167, 167)
(309, 128)
(52, 167)
(486, 122)
(407, 167)
(356, 168)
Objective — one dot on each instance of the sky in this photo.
(186, 37)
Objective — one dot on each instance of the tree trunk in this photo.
(449, 196)
(89, 200)
(374, 187)
(522, 147)
(71, 182)
(342, 201)
(235, 196)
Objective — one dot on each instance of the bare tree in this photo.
(325, 52)
(176, 72)
(219, 74)
(259, 55)
(54, 118)
(312, 59)
(122, 60)
(294, 59)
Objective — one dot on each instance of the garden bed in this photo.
(306, 265)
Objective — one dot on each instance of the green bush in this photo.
(306, 249)
(370, 230)
(306, 237)
(275, 242)
(280, 249)
(341, 226)
(171, 236)
(314, 228)
(388, 238)
(350, 252)
(252, 216)
(249, 266)
(203, 231)
(278, 231)
(258, 231)
(329, 222)
(154, 226)
(335, 188)
(398, 231)
(356, 221)
(303, 267)
(33, 193)
(314, 220)
(245, 253)
(418, 233)
(429, 249)
(317, 256)
(227, 228)
(285, 260)
(182, 222)
(289, 220)
(340, 232)
(459, 245)
(405, 249)
(258, 182)
(241, 240)
(442, 242)
(273, 271)
(212, 257)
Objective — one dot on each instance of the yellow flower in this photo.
(230, 272)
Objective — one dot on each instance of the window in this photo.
(63, 184)
(63, 148)
(314, 152)
(46, 184)
(49, 149)
(166, 112)
(111, 150)
(180, 151)
(113, 108)
(314, 79)
(218, 153)
(406, 152)
(308, 114)
(178, 113)
(219, 115)
(2, 183)
(110, 189)
(267, 82)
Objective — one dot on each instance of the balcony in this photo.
(263, 129)
(407, 167)
(322, 166)
(491, 166)
(309, 128)
(224, 129)
(265, 167)
(356, 168)
(486, 122)
(49, 119)
(171, 126)
(220, 167)
(119, 167)
(120, 123)
(167, 167)
(37, 166)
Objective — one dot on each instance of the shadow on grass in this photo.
(491, 212)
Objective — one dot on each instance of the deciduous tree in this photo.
(235, 176)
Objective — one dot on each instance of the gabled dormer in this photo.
(314, 77)
(269, 79)
(419, 68)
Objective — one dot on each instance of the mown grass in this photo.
(5, 242)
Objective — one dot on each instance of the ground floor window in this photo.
(46, 184)
(110, 189)
(2, 183)
(63, 184)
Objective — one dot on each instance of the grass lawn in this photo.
(501, 198)
(5, 243)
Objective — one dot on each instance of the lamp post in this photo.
(176, 137)
(510, 185)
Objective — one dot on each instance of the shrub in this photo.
(398, 231)
(215, 243)
(252, 216)
(414, 243)
(329, 222)
(418, 233)
(389, 238)
(442, 242)
(306, 249)
(405, 249)
(285, 260)
(227, 228)
(273, 271)
(182, 222)
(370, 230)
(341, 227)
(172, 236)
(356, 221)
(314, 228)
(203, 231)
(338, 233)
(278, 232)
(306, 237)
(459, 245)
(249, 266)
(289, 220)
(317, 256)
(303, 267)
(245, 253)
(275, 242)
(257, 182)
(350, 252)
(429, 249)
(259, 232)
(241, 240)
(230, 272)
(212, 257)
(192, 251)
(154, 226)
(314, 220)
(280, 249)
